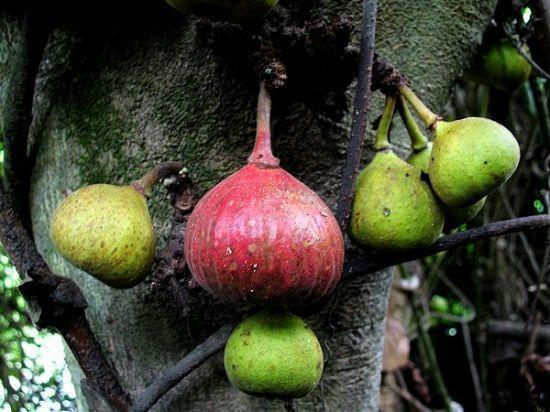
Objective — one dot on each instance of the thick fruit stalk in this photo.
(262, 236)
(422, 148)
(274, 354)
(394, 208)
(470, 158)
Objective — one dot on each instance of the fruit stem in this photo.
(262, 154)
(157, 173)
(382, 134)
(428, 117)
(418, 140)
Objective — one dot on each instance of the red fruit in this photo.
(262, 236)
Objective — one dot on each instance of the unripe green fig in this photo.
(470, 158)
(274, 354)
(230, 10)
(502, 67)
(439, 304)
(106, 231)
(394, 207)
(421, 159)
(454, 216)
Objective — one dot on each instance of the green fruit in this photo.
(394, 208)
(231, 10)
(439, 304)
(471, 158)
(274, 354)
(421, 159)
(503, 67)
(454, 216)
(106, 230)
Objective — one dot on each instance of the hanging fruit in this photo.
(274, 354)
(394, 208)
(106, 230)
(502, 66)
(470, 158)
(261, 235)
(231, 10)
(420, 158)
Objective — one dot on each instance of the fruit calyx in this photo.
(262, 155)
(381, 142)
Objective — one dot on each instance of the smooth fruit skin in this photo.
(470, 158)
(503, 67)
(232, 10)
(263, 236)
(421, 159)
(274, 354)
(106, 231)
(393, 207)
(454, 216)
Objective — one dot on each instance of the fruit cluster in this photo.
(401, 205)
(262, 237)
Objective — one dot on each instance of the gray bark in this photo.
(113, 100)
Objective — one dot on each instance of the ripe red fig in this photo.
(261, 236)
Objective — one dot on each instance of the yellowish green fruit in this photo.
(274, 354)
(454, 216)
(231, 10)
(421, 158)
(503, 67)
(394, 208)
(470, 158)
(106, 231)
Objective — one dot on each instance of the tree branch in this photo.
(359, 122)
(519, 330)
(372, 262)
(184, 367)
(17, 113)
(61, 305)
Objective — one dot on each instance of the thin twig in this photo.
(517, 330)
(539, 70)
(359, 122)
(426, 342)
(180, 370)
(372, 262)
(408, 397)
(472, 365)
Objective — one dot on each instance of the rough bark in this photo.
(122, 94)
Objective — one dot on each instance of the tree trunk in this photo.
(117, 96)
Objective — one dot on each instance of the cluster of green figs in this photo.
(262, 237)
(402, 205)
